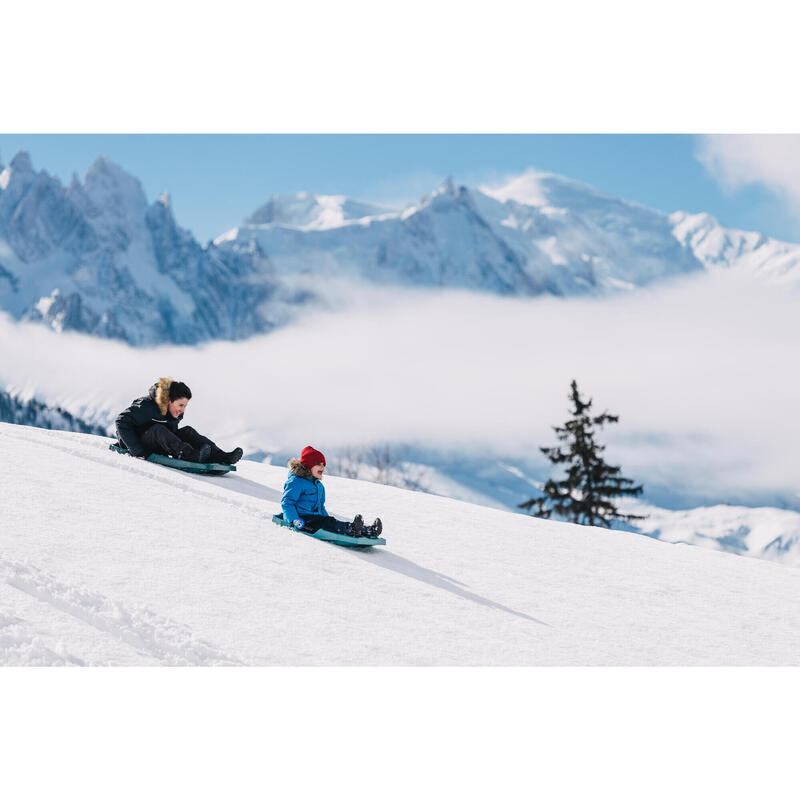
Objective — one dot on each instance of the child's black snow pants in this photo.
(315, 522)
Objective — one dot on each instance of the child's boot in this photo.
(357, 526)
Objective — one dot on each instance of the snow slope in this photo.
(109, 560)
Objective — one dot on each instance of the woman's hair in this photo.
(178, 390)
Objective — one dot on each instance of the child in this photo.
(150, 425)
(303, 500)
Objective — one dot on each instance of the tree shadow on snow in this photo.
(395, 563)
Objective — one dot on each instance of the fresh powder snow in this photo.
(105, 559)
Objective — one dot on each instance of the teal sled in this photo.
(179, 463)
(327, 536)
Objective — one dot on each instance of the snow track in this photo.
(20, 646)
(168, 642)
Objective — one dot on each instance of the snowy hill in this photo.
(109, 560)
(96, 257)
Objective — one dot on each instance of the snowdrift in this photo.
(109, 560)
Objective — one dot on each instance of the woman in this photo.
(150, 425)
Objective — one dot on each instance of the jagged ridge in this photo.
(97, 258)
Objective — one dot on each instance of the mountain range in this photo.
(98, 258)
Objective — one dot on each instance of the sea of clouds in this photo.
(702, 372)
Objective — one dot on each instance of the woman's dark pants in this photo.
(185, 444)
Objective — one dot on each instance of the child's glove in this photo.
(299, 524)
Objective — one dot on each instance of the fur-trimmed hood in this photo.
(143, 413)
(300, 469)
(159, 392)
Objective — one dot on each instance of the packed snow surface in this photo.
(105, 559)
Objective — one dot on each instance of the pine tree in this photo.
(591, 485)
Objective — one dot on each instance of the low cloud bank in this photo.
(703, 374)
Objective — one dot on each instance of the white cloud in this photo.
(703, 374)
(738, 160)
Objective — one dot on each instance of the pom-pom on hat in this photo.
(311, 457)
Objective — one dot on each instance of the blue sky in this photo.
(217, 180)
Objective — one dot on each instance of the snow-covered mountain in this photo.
(744, 253)
(96, 257)
(566, 239)
(313, 212)
(131, 563)
(770, 533)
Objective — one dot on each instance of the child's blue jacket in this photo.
(302, 496)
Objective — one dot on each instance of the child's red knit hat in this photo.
(311, 457)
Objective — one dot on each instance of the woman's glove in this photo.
(299, 524)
